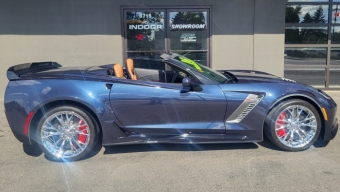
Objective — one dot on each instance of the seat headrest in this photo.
(118, 69)
(131, 69)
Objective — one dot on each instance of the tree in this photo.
(318, 16)
(307, 18)
(188, 18)
(307, 35)
(292, 14)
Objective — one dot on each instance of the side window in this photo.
(175, 74)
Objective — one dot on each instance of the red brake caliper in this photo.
(281, 131)
(82, 127)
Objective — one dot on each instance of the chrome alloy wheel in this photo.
(65, 134)
(296, 126)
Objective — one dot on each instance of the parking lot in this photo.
(169, 167)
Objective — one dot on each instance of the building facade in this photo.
(312, 42)
(230, 34)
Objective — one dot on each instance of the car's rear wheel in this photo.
(293, 125)
(66, 133)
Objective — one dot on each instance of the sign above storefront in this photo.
(188, 26)
(146, 27)
(172, 27)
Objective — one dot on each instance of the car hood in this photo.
(252, 75)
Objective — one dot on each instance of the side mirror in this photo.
(186, 82)
(189, 85)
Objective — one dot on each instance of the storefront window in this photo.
(336, 14)
(150, 33)
(305, 56)
(188, 30)
(334, 78)
(314, 77)
(306, 35)
(312, 38)
(307, 14)
(145, 31)
(335, 56)
(336, 35)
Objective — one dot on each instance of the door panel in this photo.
(161, 108)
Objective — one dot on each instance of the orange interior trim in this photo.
(131, 69)
(118, 69)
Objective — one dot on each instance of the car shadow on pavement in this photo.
(266, 143)
(269, 145)
(32, 150)
(177, 147)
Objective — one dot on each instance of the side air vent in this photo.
(247, 105)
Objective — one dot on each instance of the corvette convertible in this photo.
(65, 110)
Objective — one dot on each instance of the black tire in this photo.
(68, 133)
(273, 134)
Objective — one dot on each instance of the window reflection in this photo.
(188, 30)
(306, 35)
(307, 14)
(334, 78)
(335, 56)
(313, 77)
(305, 56)
(336, 35)
(145, 30)
(336, 14)
(147, 60)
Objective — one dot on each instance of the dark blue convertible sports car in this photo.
(65, 110)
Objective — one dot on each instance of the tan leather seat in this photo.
(131, 69)
(118, 69)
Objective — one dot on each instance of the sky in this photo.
(311, 9)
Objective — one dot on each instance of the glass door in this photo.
(145, 37)
(149, 33)
(189, 34)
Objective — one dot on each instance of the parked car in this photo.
(65, 110)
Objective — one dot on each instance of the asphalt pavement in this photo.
(169, 167)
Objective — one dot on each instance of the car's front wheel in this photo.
(293, 125)
(66, 133)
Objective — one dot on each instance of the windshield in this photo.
(207, 72)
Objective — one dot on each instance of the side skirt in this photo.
(182, 139)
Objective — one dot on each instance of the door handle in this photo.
(108, 85)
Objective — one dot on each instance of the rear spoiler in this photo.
(14, 72)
